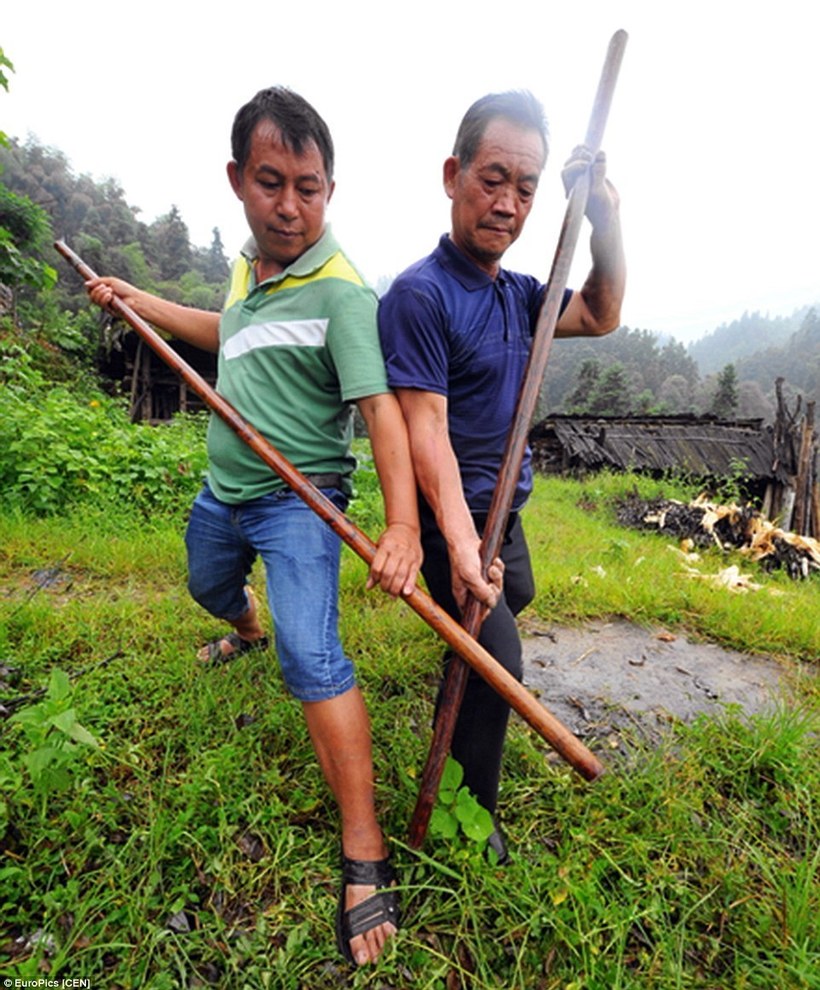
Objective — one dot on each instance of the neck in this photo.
(490, 266)
(267, 268)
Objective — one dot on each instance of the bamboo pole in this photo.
(455, 682)
(532, 711)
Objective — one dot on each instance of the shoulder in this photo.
(421, 285)
(339, 287)
(528, 285)
(338, 266)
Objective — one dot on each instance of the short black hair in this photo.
(295, 119)
(519, 107)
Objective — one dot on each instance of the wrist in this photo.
(403, 524)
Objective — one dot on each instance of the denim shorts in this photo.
(301, 555)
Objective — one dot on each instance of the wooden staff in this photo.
(455, 683)
(534, 713)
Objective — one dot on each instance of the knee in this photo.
(202, 593)
(224, 599)
(197, 588)
(506, 649)
(520, 593)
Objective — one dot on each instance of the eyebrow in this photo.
(305, 177)
(505, 173)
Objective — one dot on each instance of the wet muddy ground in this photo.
(605, 678)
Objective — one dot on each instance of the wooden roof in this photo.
(701, 445)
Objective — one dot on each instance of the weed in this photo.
(55, 738)
(458, 812)
(60, 447)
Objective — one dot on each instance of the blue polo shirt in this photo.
(447, 327)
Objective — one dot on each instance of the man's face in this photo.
(285, 196)
(493, 195)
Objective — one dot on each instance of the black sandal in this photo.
(381, 907)
(216, 655)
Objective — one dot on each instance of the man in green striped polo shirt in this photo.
(297, 346)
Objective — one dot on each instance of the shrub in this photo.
(61, 447)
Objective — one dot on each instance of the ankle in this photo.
(364, 844)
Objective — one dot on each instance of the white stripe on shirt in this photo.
(289, 333)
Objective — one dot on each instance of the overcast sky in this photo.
(712, 140)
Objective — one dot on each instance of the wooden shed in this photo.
(699, 445)
(156, 392)
(777, 465)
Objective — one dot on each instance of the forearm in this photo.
(603, 290)
(398, 556)
(195, 326)
(198, 327)
(439, 479)
(435, 464)
(595, 310)
(391, 456)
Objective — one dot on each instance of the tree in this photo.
(217, 268)
(724, 402)
(753, 404)
(612, 395)
(4, 82)
(644, 404)
(24, 228)
(675, 394)
(171, 245)
(580, 398)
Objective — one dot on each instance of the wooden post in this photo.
(803, 479)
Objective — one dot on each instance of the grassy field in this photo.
(165, 827)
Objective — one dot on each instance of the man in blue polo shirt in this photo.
(456, 330)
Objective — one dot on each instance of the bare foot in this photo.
(368, 946)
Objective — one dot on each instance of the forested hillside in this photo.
(742, 337)
(96, 219)
(797, 358)
(730, 372)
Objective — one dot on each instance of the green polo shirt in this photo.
(295, 351)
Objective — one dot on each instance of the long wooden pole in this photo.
(532, 711)
(455, 682)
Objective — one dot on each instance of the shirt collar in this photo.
(307, 263)
(465, 271)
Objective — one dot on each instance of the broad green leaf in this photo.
(67, 722)
(59, 686)
(453, 775)
(443, 824)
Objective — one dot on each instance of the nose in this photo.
(286, 202)
(504, 202)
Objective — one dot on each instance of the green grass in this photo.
(197, 846)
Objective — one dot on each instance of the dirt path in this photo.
(606, 677)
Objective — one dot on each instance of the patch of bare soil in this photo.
(609, 678)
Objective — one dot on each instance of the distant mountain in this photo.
(797, 359)
(731, 342)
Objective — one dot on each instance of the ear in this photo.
(452, 168)
(330, 190)
(235, 178)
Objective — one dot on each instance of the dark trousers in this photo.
(478, 740)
